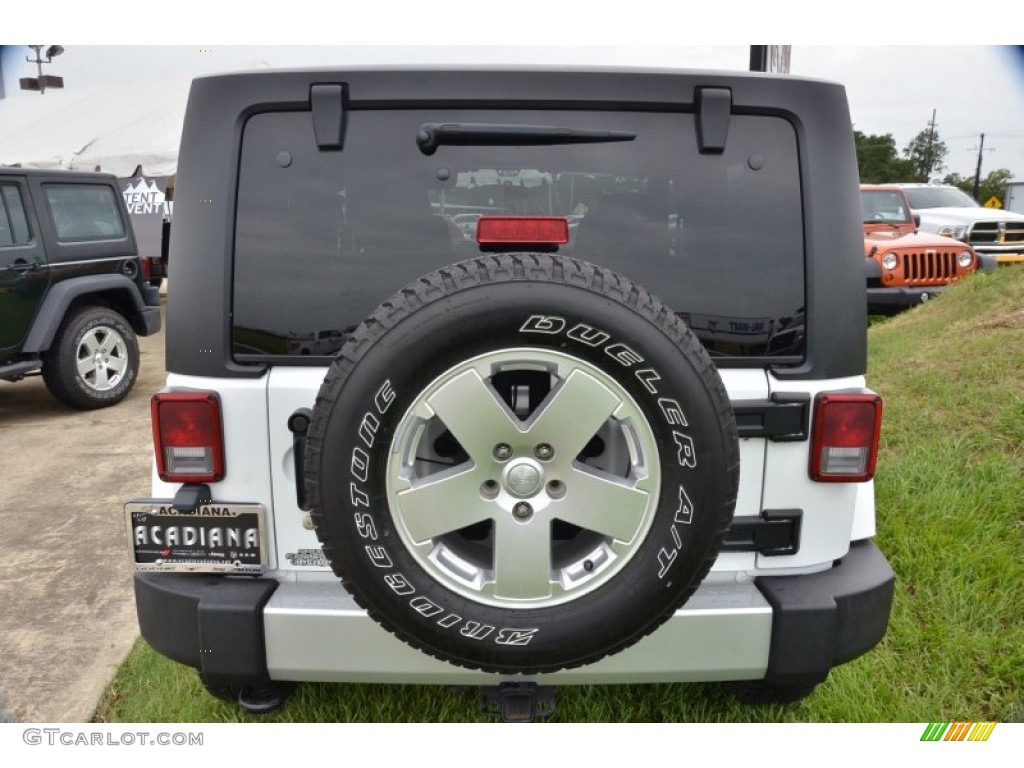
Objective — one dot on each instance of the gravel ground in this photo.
(65, 575)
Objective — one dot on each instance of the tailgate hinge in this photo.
(329, 103)
(714, 109)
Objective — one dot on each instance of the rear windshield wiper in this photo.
(430, 136)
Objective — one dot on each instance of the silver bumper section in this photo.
(315, 631)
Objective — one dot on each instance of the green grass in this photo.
(950, 496)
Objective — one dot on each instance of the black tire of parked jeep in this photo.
(522, 463)
(94, 359)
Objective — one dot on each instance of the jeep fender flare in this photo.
(145, 319)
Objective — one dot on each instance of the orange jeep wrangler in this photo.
(904, 266)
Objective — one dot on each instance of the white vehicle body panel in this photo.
(773, 475)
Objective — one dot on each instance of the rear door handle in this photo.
(21, 266)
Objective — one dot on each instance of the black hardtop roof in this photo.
(64, 173)
(524, 82)
(234, 96)
(514, 69)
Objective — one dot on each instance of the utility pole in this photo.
(977, 172)
(928, 152)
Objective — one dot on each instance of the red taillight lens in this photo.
(844, 447)
(187, 436)
(522, 230)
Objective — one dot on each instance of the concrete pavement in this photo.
(66, 604)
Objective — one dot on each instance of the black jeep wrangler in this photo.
(72, 293)
(561, 373)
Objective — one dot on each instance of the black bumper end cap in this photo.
(212, 623)
(825, 619)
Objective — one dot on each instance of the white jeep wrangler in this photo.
(514, 378)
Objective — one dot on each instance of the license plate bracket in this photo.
(216, 538)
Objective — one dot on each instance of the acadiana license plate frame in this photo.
(216, 538)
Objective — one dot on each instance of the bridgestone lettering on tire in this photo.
(522, 463)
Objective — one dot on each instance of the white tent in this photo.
(114, 127)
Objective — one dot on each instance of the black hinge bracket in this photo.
(190, 496)
(783, 418)
(329, 103)
(714, 110)
(298, 425)
(776, 532)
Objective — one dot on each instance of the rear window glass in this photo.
(84, 211)
(322, 237)
(13, 223)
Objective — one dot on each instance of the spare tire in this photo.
(522, 463)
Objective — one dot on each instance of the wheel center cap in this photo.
(523, 478)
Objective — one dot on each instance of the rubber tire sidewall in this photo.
(404, 598)
(60, 372)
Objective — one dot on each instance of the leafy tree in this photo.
(878, 161)
(993, 185)
(926, 152)
(956, 180)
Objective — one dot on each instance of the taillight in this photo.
(187, 436)
(844, 446)
(522, 230)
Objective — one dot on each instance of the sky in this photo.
(892, 88)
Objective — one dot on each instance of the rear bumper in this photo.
(829, 618)
(149, 312)
(785, 629)
(150, 320)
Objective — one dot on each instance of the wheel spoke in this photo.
(432, 508)
(573, 414)
(473, 412)
(602, 504)
(86, 366)
(102, 381)
(522, 559)
(117, 364)
(90, 343)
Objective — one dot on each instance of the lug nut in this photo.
(522, 510)
(502, 451)
(556, 489)
(543, 451)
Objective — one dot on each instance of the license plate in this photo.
(216, 538)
